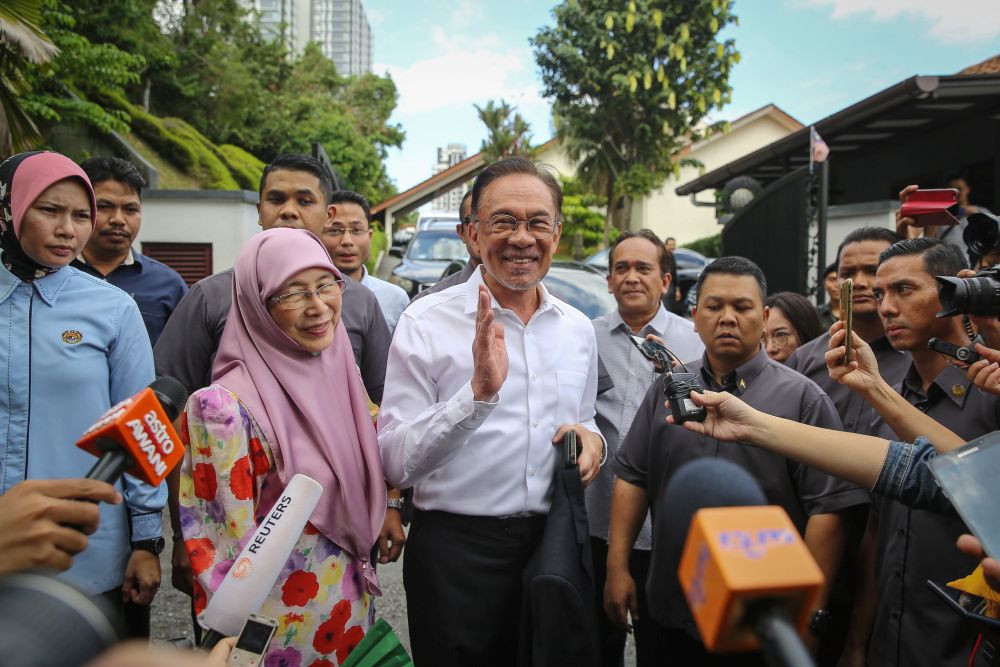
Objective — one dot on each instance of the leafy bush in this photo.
(710, 246)
(379, 244)
(216, 174)
(244, 167)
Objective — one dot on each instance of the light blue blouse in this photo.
(71, 346)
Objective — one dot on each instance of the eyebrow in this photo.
(300, 191)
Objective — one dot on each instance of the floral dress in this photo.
(228, 483)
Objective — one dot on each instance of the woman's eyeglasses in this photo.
(327, 293)
(779, 340)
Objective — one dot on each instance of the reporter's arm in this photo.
(629, 505)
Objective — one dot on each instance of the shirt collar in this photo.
(657, 325)
(472, 295)
(740, 379)
(950, 382)
(48, 286)
(130, 259)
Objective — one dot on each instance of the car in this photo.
(689, 266)
(438, 219)
(426, 257)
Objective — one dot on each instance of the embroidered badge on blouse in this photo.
(742, 384)
(72, 337)
(958, 391)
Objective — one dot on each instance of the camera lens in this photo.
(982, 234)
(971, 296)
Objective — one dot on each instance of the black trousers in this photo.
(462, 576)
(134, 617)
(611, 637)
(677, 649)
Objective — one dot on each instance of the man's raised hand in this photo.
(489, 351)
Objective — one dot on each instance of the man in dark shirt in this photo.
(911, 625)
(730, 317)
(156, 288)
(295, 192)
(462, 229)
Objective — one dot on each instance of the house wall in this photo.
(224, 218)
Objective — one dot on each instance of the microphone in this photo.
(253, 573)
(136, 436)
(748, 578)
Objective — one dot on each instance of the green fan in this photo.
(379, 648)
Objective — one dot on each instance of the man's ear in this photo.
(474, 238)
(259, 223)
(331, 213)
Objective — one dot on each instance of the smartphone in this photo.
(970, 607)
(931, 207)
(253, 642)
(570, 449)
(847, 316)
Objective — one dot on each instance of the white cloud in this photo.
(466, 12)
(950, 22)
(490, 68)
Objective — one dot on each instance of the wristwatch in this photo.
(394, 503)
(154, 545)
(820, 621)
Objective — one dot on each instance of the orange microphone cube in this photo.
(734, 556)
(140, 426)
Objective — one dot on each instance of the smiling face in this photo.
(57, 224)
(119, 217)
(519, 262)
(312, 325)
(635, 280)
(908, 303)
(730, 318)
(348, 238)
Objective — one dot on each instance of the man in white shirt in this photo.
(639, 268)
(348, 238)
(483, 379)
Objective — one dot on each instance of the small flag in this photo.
(818, 150)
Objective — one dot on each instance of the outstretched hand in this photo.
(489, 351)
(862, 375)
(906, 227)
(728, 418)
(985, 373)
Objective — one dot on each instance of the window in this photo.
(192, 260)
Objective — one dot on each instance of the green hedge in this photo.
(710, 246)
(214, 171)
(379, 244)
(245, 168)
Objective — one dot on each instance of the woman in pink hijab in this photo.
(287, 398)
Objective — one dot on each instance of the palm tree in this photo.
(506, 135)
(22, 43)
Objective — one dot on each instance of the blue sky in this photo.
(810, 57)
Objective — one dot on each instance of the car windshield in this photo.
(584, 290)
(443, 245)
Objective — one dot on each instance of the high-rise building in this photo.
(447, 157)
(344, 34)
(340, 27)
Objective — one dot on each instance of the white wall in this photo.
(841, 220)
(224, 218)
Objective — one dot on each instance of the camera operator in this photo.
(45, 522)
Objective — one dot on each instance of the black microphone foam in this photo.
(171, 394)
(707, 482)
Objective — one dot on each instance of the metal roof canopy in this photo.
(914, 108)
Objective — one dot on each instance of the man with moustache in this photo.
(109, 254)
(484, 378)
(729, 317)
(911, 627)
(638, 277)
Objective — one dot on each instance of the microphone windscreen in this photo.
(256, 569)
(171, 394)
(707, 482)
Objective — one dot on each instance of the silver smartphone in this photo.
(253, 642)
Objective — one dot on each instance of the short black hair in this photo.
(870, 233)
(666, 259)
(297, 162)
(832, 268)
(352, 197)
(100, 169)
(465, 198)
(516, 165)
(800, 312)
(940, 258)
(737, 266)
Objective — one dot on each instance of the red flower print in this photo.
(258, 458)
(299, 589)
(201, 552)
(310, 529)
(341, 612)
(327, 634)
(321, 662)
(240, 480)
(205, 484)
(200, 599)
(185, 438)
(204, 451)
(351, 638)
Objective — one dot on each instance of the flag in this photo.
(818, 150)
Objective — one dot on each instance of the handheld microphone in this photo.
(252, 576)
(748, 578)
(136, 436)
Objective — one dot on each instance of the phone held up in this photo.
(253, 642)
(847, 317)
(677, 387)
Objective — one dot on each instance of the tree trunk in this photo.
(627, 222)
(145, 93)
(609, 220)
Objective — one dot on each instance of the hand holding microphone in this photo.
(35, 516)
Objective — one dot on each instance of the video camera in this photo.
(980, 294)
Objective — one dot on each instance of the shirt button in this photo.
(534, 424)
(531, 472)
(902, 531)
(895, 615)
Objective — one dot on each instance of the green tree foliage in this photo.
(710, 246)
(630, 81)
(508, 133)
(579, 213)
(22, 43)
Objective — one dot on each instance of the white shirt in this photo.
(472, 457)
(392, 299)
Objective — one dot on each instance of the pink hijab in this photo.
(313, 410)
